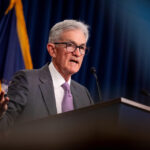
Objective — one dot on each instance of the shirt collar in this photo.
(57, 78)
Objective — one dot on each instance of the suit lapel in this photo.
(76, 99)
(47, 90)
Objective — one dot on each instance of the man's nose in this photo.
(77, 52)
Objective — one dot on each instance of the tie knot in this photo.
(66, 86)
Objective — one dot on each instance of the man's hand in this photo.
(3, 103)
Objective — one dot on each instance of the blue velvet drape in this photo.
(119, 42)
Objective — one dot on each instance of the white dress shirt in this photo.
(58, 80)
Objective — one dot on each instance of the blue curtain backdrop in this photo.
(119, 42)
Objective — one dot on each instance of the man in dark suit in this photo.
(38, 93)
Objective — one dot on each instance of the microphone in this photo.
(145, 93)
(93, 71)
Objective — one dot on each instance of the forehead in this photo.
(75, 35)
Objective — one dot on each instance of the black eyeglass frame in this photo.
(86, 49)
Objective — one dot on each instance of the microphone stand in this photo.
(93, 71)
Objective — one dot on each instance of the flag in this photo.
(14, 43)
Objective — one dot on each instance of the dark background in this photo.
(119, 42)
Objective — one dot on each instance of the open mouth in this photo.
(75, 61)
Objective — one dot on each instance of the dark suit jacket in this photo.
(32, 96)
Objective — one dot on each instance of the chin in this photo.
(73, 71)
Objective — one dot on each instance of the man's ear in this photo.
(51, 50)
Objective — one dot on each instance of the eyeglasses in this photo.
(71, 47)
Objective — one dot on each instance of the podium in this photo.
(118, 123)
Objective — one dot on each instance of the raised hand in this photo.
(3, 103)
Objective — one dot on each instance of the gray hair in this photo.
(62, 26)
